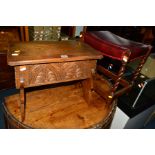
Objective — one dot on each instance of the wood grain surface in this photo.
(59, 107)
(41, 74)
(53, 51)
(42, 63)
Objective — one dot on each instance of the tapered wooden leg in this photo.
(22, 104)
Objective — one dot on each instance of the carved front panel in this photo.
(41, 74)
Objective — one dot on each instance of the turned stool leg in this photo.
(137, 71)
(119, 76)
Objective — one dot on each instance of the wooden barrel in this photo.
(58, 108)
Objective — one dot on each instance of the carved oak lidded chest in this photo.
(42, 63)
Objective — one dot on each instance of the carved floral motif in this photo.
(57, 72)
(41, 74)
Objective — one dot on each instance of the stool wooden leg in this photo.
(87, 90)
(119, 77)
(137, 71)
(22, 104)
(22, 93)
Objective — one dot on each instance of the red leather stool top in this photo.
(114, 46)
